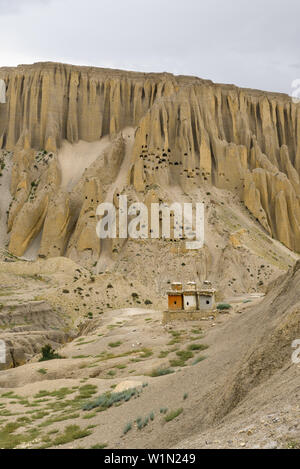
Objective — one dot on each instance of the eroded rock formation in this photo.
(187, 132)
(26, 327)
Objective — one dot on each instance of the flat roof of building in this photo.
(192, 292)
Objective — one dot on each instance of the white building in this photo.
(190, 297)
(206, 297)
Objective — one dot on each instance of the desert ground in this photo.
(224, 381)
(90, 361)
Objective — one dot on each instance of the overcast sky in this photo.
(251, 43)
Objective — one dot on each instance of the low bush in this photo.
(197, 347)
(173, 414)
(161, 372)
(127, 428)
(48, 354)
(107, 400)
(224, 307)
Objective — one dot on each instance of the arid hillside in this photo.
(76, 136)
(118, 375)
(128, 381)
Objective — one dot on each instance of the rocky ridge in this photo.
(156, 132)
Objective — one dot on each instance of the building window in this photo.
(207, 302)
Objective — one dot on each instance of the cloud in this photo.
(13, 7)
(251, 44)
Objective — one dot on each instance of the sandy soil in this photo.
(75, 158)
(237, 388)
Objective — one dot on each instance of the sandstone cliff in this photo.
(188, 132)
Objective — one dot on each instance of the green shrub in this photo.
(183, 357)
(197, 347)
(173, 414)
(291, 444)
(224, 307)
(184, 354)
(48, 354)
(146, 421)
(161, 372)
(198, 360)
(71, 433)
(99, 446)
(146, 353)
(127, 428)
(196, 331)
(141, 423)
(107, 400)
(114, 344)
(163, 353)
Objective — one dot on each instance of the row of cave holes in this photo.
(204, 175)
(176, 163)
(164, 154)
(92, 200)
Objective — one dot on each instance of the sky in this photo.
(253, 43)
